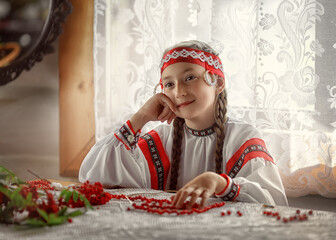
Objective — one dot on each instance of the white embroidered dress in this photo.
(127, 160)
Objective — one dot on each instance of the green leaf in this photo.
(35, 222)
(87, 204)
(67, 196)
(17, 198)
(5, 191)
(29, 197)
(62, 193)
(75, 196)
(43, 214)
(75, 213)
(9, 176)
(29, 200)
(62, 211)
(56, 220)
(81, 197)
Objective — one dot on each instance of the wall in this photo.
(29, 121)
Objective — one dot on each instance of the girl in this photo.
(204, 153)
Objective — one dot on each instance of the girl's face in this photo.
(184, 84)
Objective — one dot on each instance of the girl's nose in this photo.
(180, 90)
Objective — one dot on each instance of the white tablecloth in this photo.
(113, 221)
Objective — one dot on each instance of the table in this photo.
(114, 221)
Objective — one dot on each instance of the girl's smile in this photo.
(185, 104)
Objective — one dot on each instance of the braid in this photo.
(220, 118)
(176, 151)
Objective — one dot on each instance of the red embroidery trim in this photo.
(252, 148)
(156, 159)
(237, 194)
(190, 59)
(130, 127)
(122, 142)
(233, 194)
(228, 180)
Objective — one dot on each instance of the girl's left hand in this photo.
(202, 186)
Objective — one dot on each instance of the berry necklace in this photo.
(162, 206)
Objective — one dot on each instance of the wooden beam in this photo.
(77, 127)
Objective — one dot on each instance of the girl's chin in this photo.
(185, 115)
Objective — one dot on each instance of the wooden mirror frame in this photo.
(59, 10)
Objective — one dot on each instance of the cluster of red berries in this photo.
(93, 192)
(296, 217)
(228, 212)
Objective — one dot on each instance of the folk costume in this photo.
(131, 159)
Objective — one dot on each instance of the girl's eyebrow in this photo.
(183, 72)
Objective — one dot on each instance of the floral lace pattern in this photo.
(279, 59)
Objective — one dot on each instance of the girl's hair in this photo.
(220, 118)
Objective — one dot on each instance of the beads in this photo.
(162, 206)
(41, 184)
(228, 212)
(297, 217)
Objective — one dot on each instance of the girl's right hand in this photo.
(157, 108)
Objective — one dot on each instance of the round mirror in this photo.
(27, 30)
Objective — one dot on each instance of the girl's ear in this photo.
(220, 85)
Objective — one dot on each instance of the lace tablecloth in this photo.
(113, 221)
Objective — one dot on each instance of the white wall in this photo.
(29, 121)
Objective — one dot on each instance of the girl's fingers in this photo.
(193, 197)
(171, 118)
(169, 103)
(165, 112)
(180, 198)
(175, 198)
(205, 196)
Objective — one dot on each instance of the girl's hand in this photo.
(202, 186)
(157, 108)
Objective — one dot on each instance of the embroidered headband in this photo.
(209, 61)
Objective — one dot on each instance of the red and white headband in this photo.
(209, 61)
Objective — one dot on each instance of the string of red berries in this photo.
(41, 184)
(298, 216)
(162, 206)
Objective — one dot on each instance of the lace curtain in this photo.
(279, 58)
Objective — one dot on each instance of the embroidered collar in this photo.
(201, 133)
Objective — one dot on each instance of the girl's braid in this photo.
(220, 118)
(176, 150)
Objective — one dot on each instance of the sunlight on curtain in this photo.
(279, 58)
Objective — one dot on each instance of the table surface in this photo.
(114, 221)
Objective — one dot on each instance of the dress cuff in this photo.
(127, 135)
(231, 191)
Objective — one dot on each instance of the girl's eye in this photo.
(168, 85)
(190, 78)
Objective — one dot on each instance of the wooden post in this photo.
(77, 127)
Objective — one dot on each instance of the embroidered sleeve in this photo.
(127, 135)
(252, 148)
(231, 191)
(253, 175)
